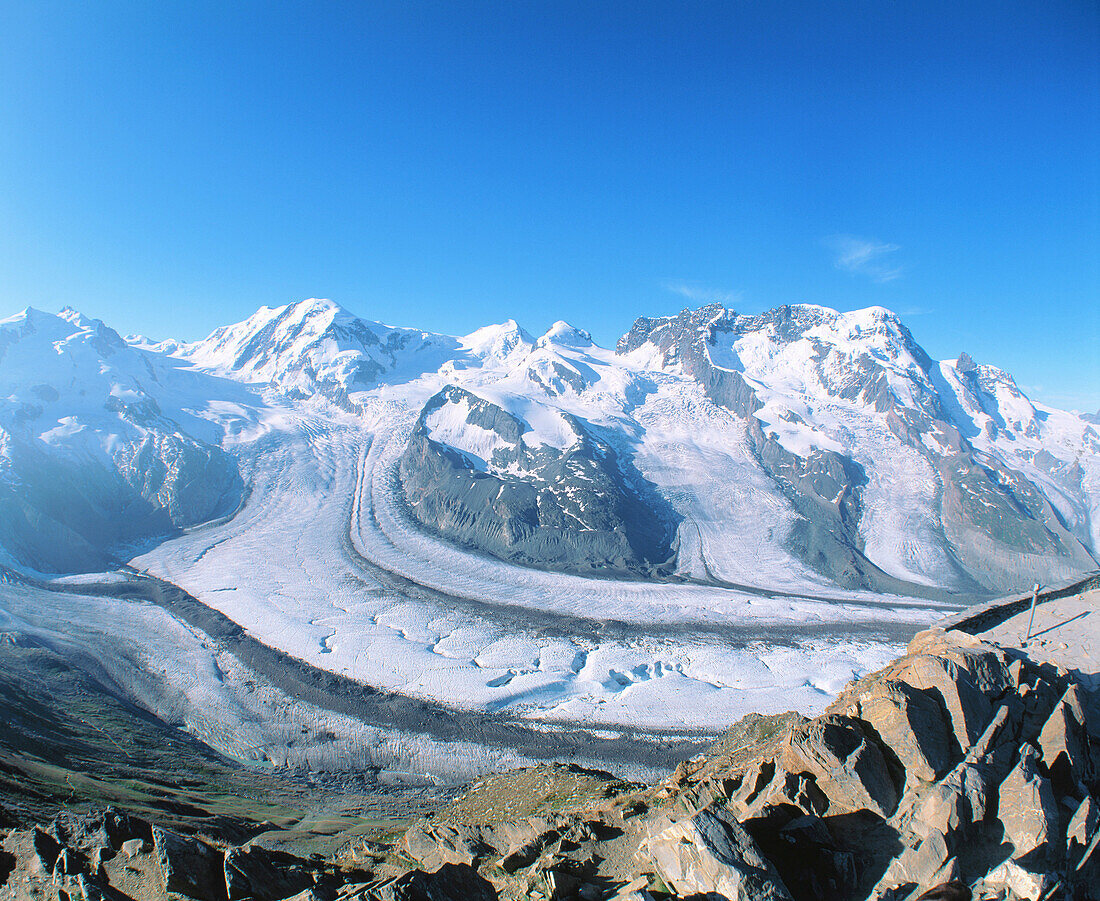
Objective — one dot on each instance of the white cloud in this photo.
(865, 257)
(697, 293)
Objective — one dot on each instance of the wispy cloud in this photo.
(862, 256)
(698, 293)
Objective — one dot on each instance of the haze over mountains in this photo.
(799, 446)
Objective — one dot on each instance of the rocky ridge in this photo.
(961, 763)
(573, 508)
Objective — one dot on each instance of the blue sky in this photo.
(170, 167)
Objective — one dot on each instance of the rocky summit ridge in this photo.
(962, 764)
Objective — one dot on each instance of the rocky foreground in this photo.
(961, 763)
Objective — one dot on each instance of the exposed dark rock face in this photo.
(578, 508)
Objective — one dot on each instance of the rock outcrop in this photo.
(959, 771)
(566, 500)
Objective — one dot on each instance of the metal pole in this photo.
(1034, 601)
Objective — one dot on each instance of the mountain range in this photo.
(801, 445)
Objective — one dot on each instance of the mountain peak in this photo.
(563, 334)
(501, 339)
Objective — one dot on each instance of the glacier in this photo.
(723, 514)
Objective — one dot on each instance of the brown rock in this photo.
(1027, 807)
(910, 722)
(1064, 744)
(451, 882)
(847, 766)
(962, 673)
(189, 867)
(711, 852)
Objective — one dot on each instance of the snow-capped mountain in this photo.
(317, 346)
(102, 445)
(800, 446)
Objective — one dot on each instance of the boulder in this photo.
(253, 872)
(848, 767)
(908, 721)
(451, 882)
(1064, 744)
(1083, 825)
(797, 792)
(924, 863)
(953, 805)
(132, 847)
(1022, 882)
(433, 846)
(962, 673)
(189, 867)
(1027, 807)
(952, 890)
(711, 852)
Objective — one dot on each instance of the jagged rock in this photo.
(560, 884)
(963, 672)
(960, 799)
(1019, 880)
(1064, 744)
(1086, 874)
(46, 850)
(88, 890)
(711, 852)
(806, 857)
(105, 829)
(954, 804)
(69, 863)
(758, 795)
(995, 749)
(1027, 807)
(635, 890)
(313, 894)
(451, 882)
(527, 854)
(189, 867)
(252, 872)
(952, 890)
(848, 767)
(920, 865)
(910, 723)
(96, 859)
(1083, 825)
(433, 846)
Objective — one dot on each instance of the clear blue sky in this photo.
(170, 167)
